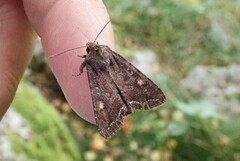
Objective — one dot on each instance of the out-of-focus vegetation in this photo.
(50, 137)
(184, 34)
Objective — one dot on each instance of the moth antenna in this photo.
(66, 51)
(81, 46)
(101, 30)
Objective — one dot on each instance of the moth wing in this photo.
(109, 107)
(138, 90)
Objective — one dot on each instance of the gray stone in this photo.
(144, 61)
(12, 122)
(218, 85)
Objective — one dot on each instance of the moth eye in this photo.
(87, 50)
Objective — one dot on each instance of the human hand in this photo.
(62, 25)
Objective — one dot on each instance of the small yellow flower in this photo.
(225, 140)
(155, 155)
(166, 155)
(156, 68)
(171, 144)
(90, 155)
(127, 124)
(108, 158)
(164, 113)
(178, 115)
(97, 142)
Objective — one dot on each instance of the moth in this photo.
(117, 87)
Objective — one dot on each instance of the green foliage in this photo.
(183, 33)
(205, 138)
(50, 138)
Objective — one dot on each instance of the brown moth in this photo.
(117, 87)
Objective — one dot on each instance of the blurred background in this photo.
(190, 48)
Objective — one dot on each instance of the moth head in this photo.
(92, 47)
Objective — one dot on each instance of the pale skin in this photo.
(62, 25)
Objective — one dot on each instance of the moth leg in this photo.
(88, 65)
(76, 75)
(84, 56)
(83, 65)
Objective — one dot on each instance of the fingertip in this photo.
(66, 25)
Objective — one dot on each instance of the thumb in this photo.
(17, 44)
